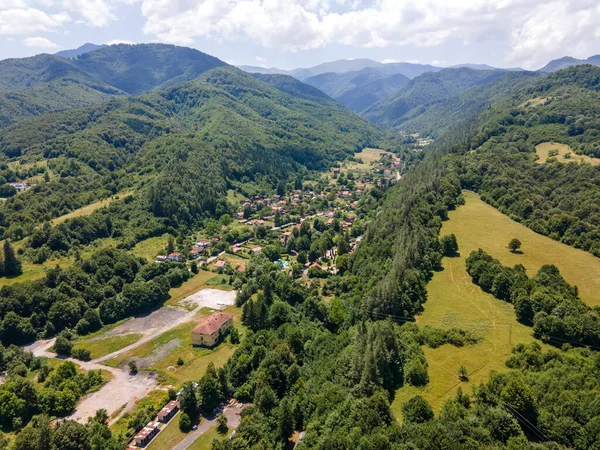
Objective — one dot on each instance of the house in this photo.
(236, 249)
(335, 170)
(220, 264)
(19, 186)
(195, 252)
(161, 258)
(168, 411)
(329, 214)
(202, 243)
(208, 332)
(174, 257)
(256, 249)
(146, 434)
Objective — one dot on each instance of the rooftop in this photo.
(212, 323)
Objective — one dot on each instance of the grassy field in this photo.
(191, 286)
(479, 225)
(35, 271)
(454, 301)
(543, 150)
(109, 344)
(204, 442)
(165, 350)
(150, 247)
(169, 437)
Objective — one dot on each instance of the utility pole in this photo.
(510, 334)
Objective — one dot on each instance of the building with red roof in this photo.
(208, 332)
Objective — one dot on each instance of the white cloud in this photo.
(532, 30)
(16, 21)
(96, 13)
(119, 41)
(39, 42)
(260, 59)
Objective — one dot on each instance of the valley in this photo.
(356, 254)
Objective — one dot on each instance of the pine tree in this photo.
(12, 266)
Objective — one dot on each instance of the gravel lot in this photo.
(210, 298)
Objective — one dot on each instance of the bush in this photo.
(63, 346)
(83, 354)
(416, 373)
(185, 423)
(180, 361)
(449, 245)
(417, 410)
(234, 336)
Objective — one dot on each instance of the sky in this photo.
(302, 33)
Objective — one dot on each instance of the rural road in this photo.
(233, 420)
(123, 390)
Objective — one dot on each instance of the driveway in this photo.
(233, 421)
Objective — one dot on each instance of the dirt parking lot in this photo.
(210, 298)
(148, 323)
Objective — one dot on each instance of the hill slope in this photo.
(50, 83)
(424, 90)
(74, 53)
(188, 141)
(567, 61)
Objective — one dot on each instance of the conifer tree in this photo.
(12, 266)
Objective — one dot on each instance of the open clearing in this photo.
(543, 150)
(454, 301)
(89, 209)
(479, 225)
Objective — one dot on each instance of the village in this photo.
(336, 204)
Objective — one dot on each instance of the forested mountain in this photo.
(49, 83)
(424, 90)
(361, 97)
(74, 53)
(357, 90)
(568, 61)
(225, 119)
(295, 88)
(437, 118)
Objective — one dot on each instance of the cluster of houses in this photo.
(149, 432)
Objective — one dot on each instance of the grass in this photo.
(543, 150)
(190, 287)
(221, 282)
(169, 437)
(35, 271)
(154, 398)
(454, 301)
(481, 226)
(196, 359)
(204, 442)
(234, 197)
(101, 347)
(150, 247)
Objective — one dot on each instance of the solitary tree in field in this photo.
(463, 375)
(514, 245)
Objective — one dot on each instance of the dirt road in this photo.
(122, 391)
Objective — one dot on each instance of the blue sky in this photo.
(302, 33)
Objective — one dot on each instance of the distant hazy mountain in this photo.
(349, 65)
(358, 89)
(567, 61)
(484, 67)
(337, 84)
(74, 53)
(364, 96)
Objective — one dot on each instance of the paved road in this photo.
(233, 421)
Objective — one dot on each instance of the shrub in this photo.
(185, 423)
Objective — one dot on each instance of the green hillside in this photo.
(49, 83)
(424, 90)
(228, 120)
